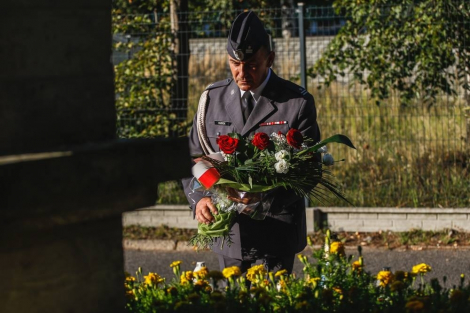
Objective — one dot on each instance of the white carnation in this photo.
(282, 166)
(282, 155)
(328, 159)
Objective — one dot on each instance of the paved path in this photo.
(444, 262)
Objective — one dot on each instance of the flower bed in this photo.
(333, 282)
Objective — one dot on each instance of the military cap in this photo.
(246, 36)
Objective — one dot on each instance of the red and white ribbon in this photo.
(205, 173)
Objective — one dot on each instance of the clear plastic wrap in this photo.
(228, 199)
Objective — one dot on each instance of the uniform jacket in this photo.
(283, 231)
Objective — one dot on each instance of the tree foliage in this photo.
(418, 48)
(144, 80)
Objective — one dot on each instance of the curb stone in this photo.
(175, 245)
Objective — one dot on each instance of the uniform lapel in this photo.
(264, 107)
(233, 108)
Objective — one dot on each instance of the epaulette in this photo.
(297, 89)
(221, 83)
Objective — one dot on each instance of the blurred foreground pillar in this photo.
(64, 178)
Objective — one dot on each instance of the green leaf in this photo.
(335, 138)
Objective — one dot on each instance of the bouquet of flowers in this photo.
(247, 168)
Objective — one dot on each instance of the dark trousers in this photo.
(272, 264)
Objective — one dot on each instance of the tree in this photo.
(146, 81)
(416, 48)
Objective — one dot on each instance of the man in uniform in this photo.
(255, 100)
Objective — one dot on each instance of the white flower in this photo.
(282, 155)
(323, 150)
(328, 159)
(278, 138)
(282, 166)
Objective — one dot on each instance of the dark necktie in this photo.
(248, 105)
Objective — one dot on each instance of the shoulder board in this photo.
(297, 89)
(221, 83)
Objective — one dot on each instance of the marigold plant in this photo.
(421, 268)
(329, 283)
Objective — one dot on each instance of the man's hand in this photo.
(203, 211)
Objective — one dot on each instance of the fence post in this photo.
(303, 63)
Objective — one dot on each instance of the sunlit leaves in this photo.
(416, 48)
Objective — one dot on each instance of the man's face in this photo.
(251, 73)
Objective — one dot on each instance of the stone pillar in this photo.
(64, 178)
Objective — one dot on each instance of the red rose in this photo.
(227, 144)
(294, 138)
(260, 141)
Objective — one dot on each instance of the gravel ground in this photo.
(444, 262)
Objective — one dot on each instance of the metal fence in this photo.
(341, 108)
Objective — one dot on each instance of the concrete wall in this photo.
(337, 219)
(287, 50)
(64, 178)
(396, 219)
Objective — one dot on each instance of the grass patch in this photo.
(413, 155)
(394, 240)
(162, 232)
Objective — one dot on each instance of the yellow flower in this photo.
(357, 266)
(202, 285)
(338, 290)
(313, 281)
(303, 259)
(130, 294)
(175, 263)
(255, 273)
(202, 273)
(231, 271)
(186, 277)
(129, 282)
(153, 279)
(282, 285)
(421, 269)
(384, 278)
(281, 273)
(337, 247)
